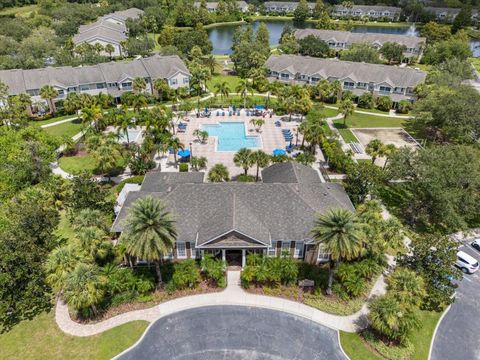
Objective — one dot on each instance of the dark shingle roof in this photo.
(157, 181)
(260, 211)
(290, 172)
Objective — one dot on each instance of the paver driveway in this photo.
(236, 332)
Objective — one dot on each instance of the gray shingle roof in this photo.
(289, 172)
(102, 23)
(157, 181)
(261, 211)
(100, 33)
(367, 8)
(337, 69)
(357, 38)
(123, 15)
(154, 67)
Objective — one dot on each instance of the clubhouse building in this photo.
(231, 220)
(380, 80)
(341, 40)
(112, 78)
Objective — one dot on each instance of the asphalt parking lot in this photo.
(458, 334)
(236, 332)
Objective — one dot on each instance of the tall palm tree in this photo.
(210, 62)
(161, 87)
(175, 144)
(94, 242)
(338, 233)
(336, 89)
(390, 150)
(243, 88)
(243, 158)
(218, 173)
(109, 49)
(72, 103)
(139, 85)
(323, 89)
(61, 262)
(139, 101)
(223, 89)
(85, 287)
(375, 148)
(149, 232)
(124, 123)
(261, 159)
(91, 116)
(49, 93)
(25, 102)
(346, 108)
(107, 156)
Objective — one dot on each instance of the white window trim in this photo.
(183, 243)
(285, 248)
(321, 251)
(272, 250)
(298, 252)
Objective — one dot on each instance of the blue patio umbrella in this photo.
(279, 152)
(184, 153)
(260, 107)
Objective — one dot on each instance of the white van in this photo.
(466, 263)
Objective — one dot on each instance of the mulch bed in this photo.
(160, 296)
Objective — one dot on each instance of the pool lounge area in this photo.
(231, 136)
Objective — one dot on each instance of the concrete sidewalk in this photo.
(232, 295)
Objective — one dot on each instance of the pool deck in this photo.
(271, 138)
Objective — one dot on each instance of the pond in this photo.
(221, 36)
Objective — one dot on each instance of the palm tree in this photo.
(261, 160)
(243, 159)
(149, 232)
(61, 262)
(139, 85)
(199, 162)
(306, 159)
(91, 116)
(49, 93)
(338, 233)
(390, 150)
(25, 102)
(346, 108)
(124, 123)
(89, 217)
(257, 123)
(176, 145)
(139, 101)
(94, 242)
(218, 173)
(162, 88)
(390, 318)
(407, 287)
(107, 156)
(72, 103)
(85, 287)
(222, 89)
(323, 89)
(109, 49)
(375, 148)
(243, 88)
(202, 135)
(336, 89)
(210, 62)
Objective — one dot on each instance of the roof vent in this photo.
(169, 189)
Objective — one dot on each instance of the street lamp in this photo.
(191, 153)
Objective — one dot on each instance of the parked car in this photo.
(466, 263)
(476, 244)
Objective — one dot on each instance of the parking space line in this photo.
(465, 278)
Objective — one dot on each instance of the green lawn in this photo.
(376, 111)
(154, 37)
(52, 120)
(64, 228)
(345, 132)
(232, 82)
(22, 11)
(70, 128)
(366, 121)
(356, 348)
(40, 338)
(78, 164)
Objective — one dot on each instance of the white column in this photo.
(223, 255)
(243, 257)
(202, 254)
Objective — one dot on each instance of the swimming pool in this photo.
(132, 136)
(231, 136)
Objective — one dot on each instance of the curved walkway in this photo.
(390, 115)
(232, 295)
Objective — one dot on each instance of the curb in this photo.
(341, 347)
(435, 331)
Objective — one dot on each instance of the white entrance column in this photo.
(243, 257)
(223, 255)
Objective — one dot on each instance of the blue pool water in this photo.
(231, 136)
(132, 136)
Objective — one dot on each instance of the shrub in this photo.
(183, 167)
(365, 101)
(404, 106)
(214, 270)
(185, 274)
(269, 270)
(384, 103)
(353, 284)
(246, 178)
